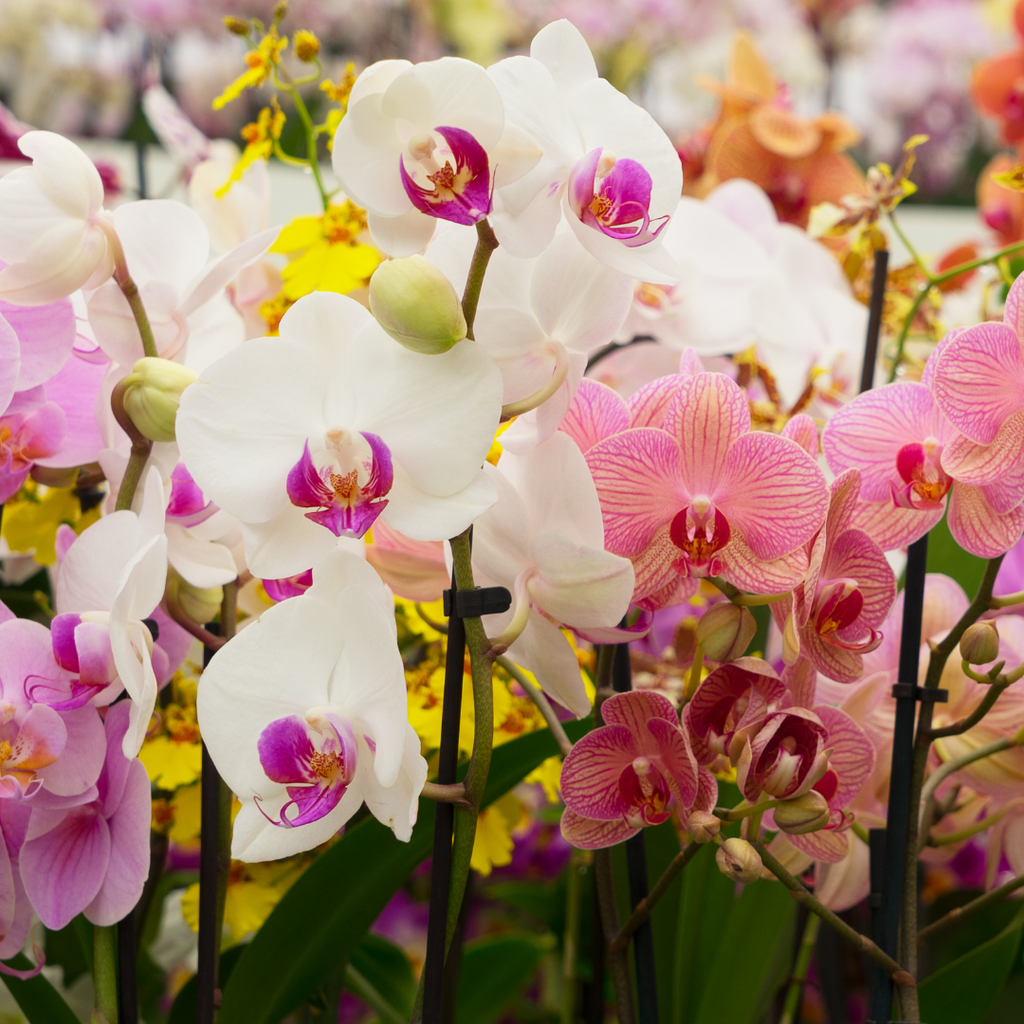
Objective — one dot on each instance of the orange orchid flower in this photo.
(998, 85)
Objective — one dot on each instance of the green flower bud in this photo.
(151, 395)
(739, 860)
(417, 305)
(725, 631)
(803, 814)
(200, 604)
(980, 643)
(703, 826)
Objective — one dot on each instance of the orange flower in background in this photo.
(998, 85)
(1001, 207)
(799, 162)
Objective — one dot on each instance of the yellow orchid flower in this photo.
(493, 844)
(260, 136)
(31, 520)
(261, 61)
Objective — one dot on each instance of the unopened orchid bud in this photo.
(980, 643)
(417, 305)
(307, 46)
(739, 860)
(152, 392)
(725, 631)
(803, 814)
(200, 604)
(238, 26)
(703, 826)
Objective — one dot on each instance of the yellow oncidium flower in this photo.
(262, 60)
(493, 843)
(325, 253)
(548, 775)
(338, 92)
(31, 519)
(171, 752)
(260, 136)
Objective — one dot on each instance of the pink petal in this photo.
(854, 554)
(844, 492)
(674, 755)
(844, 884)
(979, 380)
(707, 415)
(41, 739)
(973, 463)
(977, 528)
(46, 335)
(745, 570)
(852, 757)
(115, 765)
(591, 770)
(633, 709)
(79, 766)
(1013, 313)
(656, 580)
(638, 483)
(588, 834)
(825, 846)
(648, 406)
(868, 433)
(802, 429)
(596, 412)
(835, 662)
(801, 680)
(890, 527)
(772, 492)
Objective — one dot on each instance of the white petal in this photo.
(404, 235)
(87, 579)
(163, 240)
(213, 279)
(397, 805)
(285, 545)
(201, 563)
(501, 536)
(561, 48)
(64, 172)
(544, 651)
(516, 153)
(424, 516)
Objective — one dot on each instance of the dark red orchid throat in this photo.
(643, 789)
(925, 482)
(700, 531)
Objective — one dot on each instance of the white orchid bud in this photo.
(417, 305)
(152, 393)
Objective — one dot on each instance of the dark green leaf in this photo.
(312, 932)
(963, 991)
(65, 948)
(662, 847)
(544, 903)
(970, 932)
(184, 1009)
(753, 958)
(386, 967)
(494, 971)
(39, 1000)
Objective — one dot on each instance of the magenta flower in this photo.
(703, 495)
(900, 441)
(288, 586)
(833, 615)
(730, 707)
(457, 170)
(31, 428)
(90, 854)
(28, 743)
(628, 773)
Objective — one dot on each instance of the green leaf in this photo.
(38, 999)
(544, 903)
(71, 949)
(312, 932)
(386, 967)
(184, 1010)
(963, 991)
(946, 556)
(494, 971)
(753, 957)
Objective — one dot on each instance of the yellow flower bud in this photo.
(417, 305)
(200, 604)
(739, 860)
(239, 26)
(151, 395)
(307, 46)
(803, 814)
(980, 643)
(725, 631)
(703, 826)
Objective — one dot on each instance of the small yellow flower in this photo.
(260, 136)
(261, 62)
(306, 45)
(493, 843)
(31, 519)
(339, 92)
(549, 775)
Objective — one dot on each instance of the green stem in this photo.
(486, 243)
(370, 995)
(693, 677)
(483, 738)
(919, 793)
(971, 720)
(794, 995)
(307, 128)
(740, 812)
(949, 838)
(129, 289)
(914, 254)
(802, 895)
(757, 600)
(618, 964)
(969, 908)
(571, 941)
(642, 911)
(104, 972)
(141, 447)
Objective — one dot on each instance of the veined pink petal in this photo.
(979, 380)
(976, 464)
(772, 492)
(648, 406)
(591, 770)
(802, 429)
(40, 740)
(1006, 494)
(588, 834)
(677, 590)
(844, 494)
(674, 755)
(856, 555)
(868, 433)
(836, 662)
(596, 412)
(655, 575)
(1013, 313)
(828, 847)
(977, 528)
(891, 528)
(744, 569)
(634, 708)
(708, 413)
(852, 754)
(801, 681)
(638, 483)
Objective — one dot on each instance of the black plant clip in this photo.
(470, 604)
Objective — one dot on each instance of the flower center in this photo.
(700, 531)
(643, 789)
(451, 179)
(346, 484)
(838, 605)
(926, 483)
(5, 752)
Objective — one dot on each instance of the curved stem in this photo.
(486, 243)
(947, 768)
(104, 972)
(969, 908)
(757, 600)
(971, 720)
(289, 86)
(177, 613)
(914, 254)
(539, 397)
(141, 447)
(129, 289)
(741, 812)
(453, 794)
(950, 838)
(543, 704)
(617, 961)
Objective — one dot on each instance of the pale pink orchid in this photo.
(31, 428)
(539, 319)
(422, 142)
(833, 615)
(607, 166)
(899, 440)
(543, 539)
(43, 337)
(305, 716)
(16, 911)
(90, 853)
(702, 495)
(629, 773)
(413, 569)
(314, 434)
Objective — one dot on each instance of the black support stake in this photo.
(867, 372)
(127, 985)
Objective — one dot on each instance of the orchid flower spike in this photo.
(304, 714)
(544, 541)
(314, 434)
(426, 141)
(54, 232)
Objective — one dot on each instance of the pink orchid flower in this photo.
(31, 428)
(90, 854)
(703, 495)
(834, 613)
(628, 773)
(786, 757)
(902, 443)
(15, 908)
(413, 569)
